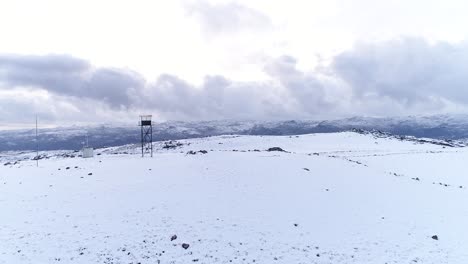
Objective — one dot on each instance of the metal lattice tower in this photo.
(146, 135)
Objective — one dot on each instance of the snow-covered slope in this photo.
(327, 198)
(453, 127)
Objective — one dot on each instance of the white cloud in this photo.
(227, 18)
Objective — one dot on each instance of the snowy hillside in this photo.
(451, 127)
(319, 198)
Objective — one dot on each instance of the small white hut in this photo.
(87, 152)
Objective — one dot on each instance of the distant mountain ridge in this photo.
(451, 127)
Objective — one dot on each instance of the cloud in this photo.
(68, 76)
(308, 90)
(398, 77)
(227, 18)
(216, 98)
(407, 70)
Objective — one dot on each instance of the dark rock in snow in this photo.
(435, 237)
(306, 169)
(276, 149)
(174, 237)
(67, 168)
(185, 245)
(89, 174)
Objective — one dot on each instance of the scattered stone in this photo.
(171, 145)
(191, 152)
(306, 169)
(89, 174)
(67, 168)
(185, 245)
(296, 225)
(380, 134)
(6, 164)
(435, 237)
(38, 157)
(174, 237)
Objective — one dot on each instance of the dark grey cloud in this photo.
(216, 98)
(308, 91)
(407, 70)
(69, 76)
(227, 18)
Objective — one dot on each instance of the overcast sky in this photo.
(93, 61)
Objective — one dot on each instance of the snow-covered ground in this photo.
(329, 198)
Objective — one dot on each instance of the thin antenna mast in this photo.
(37, 147)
